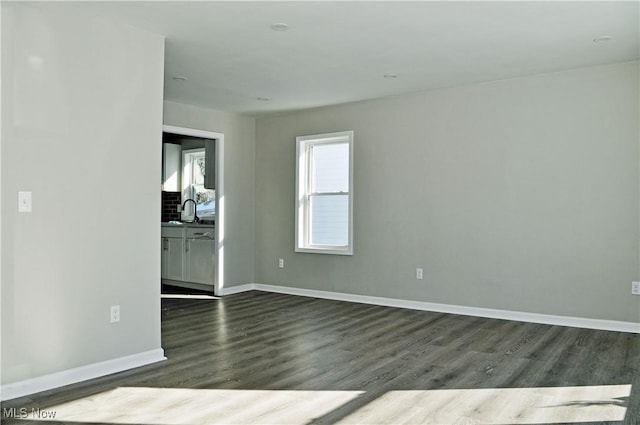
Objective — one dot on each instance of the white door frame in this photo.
(218, 278)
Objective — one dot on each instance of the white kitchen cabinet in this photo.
(171, 172)
(188, 255)
(199, 260)
(173, 258)
(172, 253)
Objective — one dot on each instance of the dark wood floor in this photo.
(288, 346)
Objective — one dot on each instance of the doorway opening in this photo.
(187, 236)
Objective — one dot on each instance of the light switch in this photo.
(24, 201)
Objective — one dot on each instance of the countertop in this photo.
(186, 224)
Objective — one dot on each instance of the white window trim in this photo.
(303, 145)
(187, 213)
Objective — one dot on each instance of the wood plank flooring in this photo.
(264, 358)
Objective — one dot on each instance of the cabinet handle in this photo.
(186, 245)
(165, 244)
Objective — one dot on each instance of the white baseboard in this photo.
(576, 322)
(78, 374)
(237, 289)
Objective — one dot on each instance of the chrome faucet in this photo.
(195, 209)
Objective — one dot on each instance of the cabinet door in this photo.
(171, 172)
(172, 258)
(199, 267)
(210, 164)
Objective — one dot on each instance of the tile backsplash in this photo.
(170, 203)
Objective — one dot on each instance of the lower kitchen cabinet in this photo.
(173, 258)
(188, 255)
(199, 265)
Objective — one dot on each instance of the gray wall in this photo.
(81, 128)
(239, 182)
(520, 195)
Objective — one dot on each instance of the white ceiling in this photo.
(337, 52)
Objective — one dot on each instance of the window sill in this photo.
(331, 251)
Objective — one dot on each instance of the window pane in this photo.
(205, 199)
(329, 220)
(193, 180)
(198, 169)
(330, 165)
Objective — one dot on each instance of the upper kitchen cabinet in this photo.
(210, 164)
(171, 172)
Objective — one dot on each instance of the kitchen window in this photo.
(324, 193)
(193, 182)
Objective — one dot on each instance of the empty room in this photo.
(317, 212)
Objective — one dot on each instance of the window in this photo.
(324, 192)
(193, 178)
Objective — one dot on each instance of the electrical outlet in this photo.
(635, 288)
(115, 313)
(419, 273)
(281, 263)
(24, 201)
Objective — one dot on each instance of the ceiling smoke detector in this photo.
(602, 39)
(279, 26)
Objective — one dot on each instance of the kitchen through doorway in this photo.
(192, 216)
